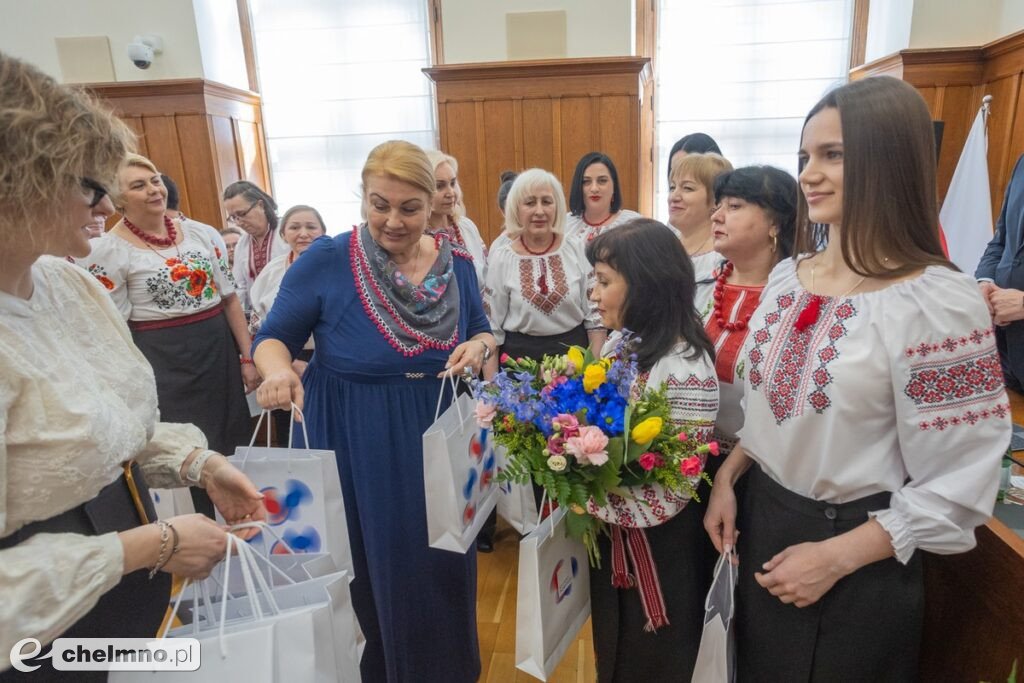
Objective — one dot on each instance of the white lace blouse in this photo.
(895, 390)
(577, 228)
(539, 295)
(77, 399)
(156, 284)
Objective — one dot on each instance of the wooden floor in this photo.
(496, 620)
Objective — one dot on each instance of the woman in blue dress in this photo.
(390, 308)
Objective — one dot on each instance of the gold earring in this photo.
(775, 243)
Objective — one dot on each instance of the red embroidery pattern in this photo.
(739, 304)
(960, 374)
(795, 364)
(693, 401)
(365, 283)
(549, 301)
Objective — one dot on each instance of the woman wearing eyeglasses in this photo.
(170, 281)
(254, 212)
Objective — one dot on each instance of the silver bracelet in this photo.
(161, 560)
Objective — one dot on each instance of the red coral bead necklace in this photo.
(172, 234)
(542, 280)
(719, 297)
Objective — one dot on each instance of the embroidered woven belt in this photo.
(141, 325)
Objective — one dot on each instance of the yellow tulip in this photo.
(575, 356)
(593, 377)
(646, 431)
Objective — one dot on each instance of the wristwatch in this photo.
(195, 470)
(487, 351)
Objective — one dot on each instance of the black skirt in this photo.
(199, 381)
(866, 628)
(624, 651)
(535, 347)
(134, 608)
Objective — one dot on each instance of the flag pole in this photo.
(986, 103)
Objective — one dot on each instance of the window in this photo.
(746, 72)
(337, 79)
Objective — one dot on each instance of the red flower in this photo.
(105, 281)
(691, 466)
(172, 261)
(179, 271)
(197, 280)
(650, 460)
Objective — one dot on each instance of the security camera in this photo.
(142, 50)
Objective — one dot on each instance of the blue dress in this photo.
(416, 605)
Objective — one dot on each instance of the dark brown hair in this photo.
(889, 198)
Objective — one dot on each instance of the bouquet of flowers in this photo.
(571, 424)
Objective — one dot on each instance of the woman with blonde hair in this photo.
(391, 308)
(691, 202)
(169, 279)
(78, 402)
(537, 282)
(448, 213)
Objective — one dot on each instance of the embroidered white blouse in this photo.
(516, 301)
(264, 292)
(705, 264)
(577, 228)
(896, 390)
(77, 399)
(241, 274)
(156, 284)
(474, 244)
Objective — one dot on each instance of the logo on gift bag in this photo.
(487, 475)
(477, 446)
(281, 508)
(562, 576)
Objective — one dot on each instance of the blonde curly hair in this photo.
(52, 136)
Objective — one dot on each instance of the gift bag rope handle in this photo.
(449, 375)
(724, 561)
(291, 434)
(265, 559)
(540, 511)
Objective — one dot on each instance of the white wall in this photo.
(1011, 19)
(474, 30)
(220, 42)
(889, 23)
(28, 30)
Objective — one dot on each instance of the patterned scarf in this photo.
(413, 318)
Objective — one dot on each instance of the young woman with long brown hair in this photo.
(876, 414)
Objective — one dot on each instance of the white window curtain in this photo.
(337, 78)
(746, 72)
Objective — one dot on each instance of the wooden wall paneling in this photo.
(1016, 148)
(618, 121)
(247, 142)
(557, 158)
(200, 178)
(1003, 110)
(501, 138)
(226, 150)
(135, 123)
(578, 128)
(517, 132)
(163, 145)
(958, 110)
(538, 134)
(480, 174)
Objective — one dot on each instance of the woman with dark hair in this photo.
(753, 226)
(506, 178)
(876, 416)
(255, 212)
(634, 266)
(595, 198)
(694, 143)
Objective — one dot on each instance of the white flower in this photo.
(557, 462)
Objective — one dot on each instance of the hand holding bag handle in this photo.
(455, 388)
(291, 435)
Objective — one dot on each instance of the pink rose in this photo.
(682, 436)
(713, 447)
(691, 466)
(504, 358)
(567, 424)
(650, 460)
(589, 447)
(556, 445)
(485, 413)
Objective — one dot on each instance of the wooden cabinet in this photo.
(547, 113)
(202, 134)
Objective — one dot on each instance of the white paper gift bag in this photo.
(716, 659)
(459, 468)
(516, 502)
(172, 502)
(554, 596)
(302, 494)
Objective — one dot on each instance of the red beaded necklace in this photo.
(599, 223)
(719, 297)
(172, 234)
(539, 253)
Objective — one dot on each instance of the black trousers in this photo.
(866, 628)
(134, 608)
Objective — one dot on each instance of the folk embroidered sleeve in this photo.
(539, 295)
(874, 396)
(474, 244)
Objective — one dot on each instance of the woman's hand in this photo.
(201, 545)
(250, 377)
(801, 573)
(468, 354)
(720, 519)
(280, 390)
(235, 496)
